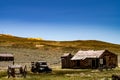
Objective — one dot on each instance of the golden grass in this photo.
(67, 74)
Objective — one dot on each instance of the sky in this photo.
(62, 19)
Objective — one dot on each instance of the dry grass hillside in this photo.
(27, 50)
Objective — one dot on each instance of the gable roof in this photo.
(87, 54)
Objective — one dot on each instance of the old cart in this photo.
(17, 70)
(40, 66)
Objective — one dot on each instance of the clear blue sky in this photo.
(62, 19)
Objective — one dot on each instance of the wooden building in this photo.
(92, 59)
(66, 60)
(6, 57)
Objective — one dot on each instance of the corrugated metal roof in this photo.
(87, 54)
(5, 55)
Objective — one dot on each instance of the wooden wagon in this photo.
(17, 70)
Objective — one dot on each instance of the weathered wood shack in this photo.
(6, 57)
(66, 60)
(93, 60)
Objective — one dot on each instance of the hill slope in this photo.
(19, 42)
(28, 50)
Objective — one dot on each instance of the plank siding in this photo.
(105, 59)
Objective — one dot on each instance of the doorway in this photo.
(95, 63)
(78, 63)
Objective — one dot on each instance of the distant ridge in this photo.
(11, 41)
(12, 36)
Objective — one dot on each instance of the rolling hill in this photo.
(26, 49)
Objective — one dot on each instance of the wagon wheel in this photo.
(8, 72)
(25, 71)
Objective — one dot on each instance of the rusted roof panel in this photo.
(81, 55)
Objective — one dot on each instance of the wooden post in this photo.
(13, 62)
